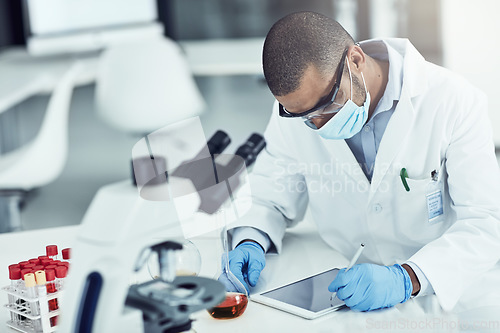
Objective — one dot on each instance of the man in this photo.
(385, 149)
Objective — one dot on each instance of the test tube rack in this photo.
(21, 307)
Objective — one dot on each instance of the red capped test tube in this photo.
(51, 266)
(34, 261)
(14, 266)
(50, 275)
(46, 262)
(38, 268)
(15, 283)
(29, 266)
(23, 263)
(15, 277)
(66, 254)
(61, 272)
(52, 251)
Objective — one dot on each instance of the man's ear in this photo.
(357, 58)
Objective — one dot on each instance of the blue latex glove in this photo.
(367, 287)
(246, 262)
(231, 286)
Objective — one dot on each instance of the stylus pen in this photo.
(352, 263)
(356, 257)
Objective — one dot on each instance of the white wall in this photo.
(471, 47)
(385, 18)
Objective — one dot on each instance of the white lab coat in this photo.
(440, 123)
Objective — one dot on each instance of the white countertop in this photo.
(304, 253)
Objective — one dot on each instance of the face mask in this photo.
(349, 120)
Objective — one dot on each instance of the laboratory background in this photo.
(229, 79)
(67, 129)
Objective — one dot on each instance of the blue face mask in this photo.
(349, 120)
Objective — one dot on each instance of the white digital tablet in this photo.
(308, 298)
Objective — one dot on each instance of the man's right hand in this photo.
(246, 262)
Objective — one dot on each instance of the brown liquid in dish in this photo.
(233, 306)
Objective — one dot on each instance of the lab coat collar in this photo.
(395, 134)
(414, 83)
(415, 77)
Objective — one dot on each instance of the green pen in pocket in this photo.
(404, 175)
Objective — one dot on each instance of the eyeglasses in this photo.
(328, 105)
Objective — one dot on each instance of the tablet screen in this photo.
(310, 293)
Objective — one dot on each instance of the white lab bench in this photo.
(304, 253)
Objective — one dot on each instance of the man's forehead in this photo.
(312, 76)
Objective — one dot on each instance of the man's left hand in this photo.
(367, 287)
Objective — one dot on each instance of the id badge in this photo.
(435, 206)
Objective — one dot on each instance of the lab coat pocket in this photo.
(420, 211)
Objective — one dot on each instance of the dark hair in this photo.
(297, 41)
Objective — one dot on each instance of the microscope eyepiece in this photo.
(218, 142)
(251, 148)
